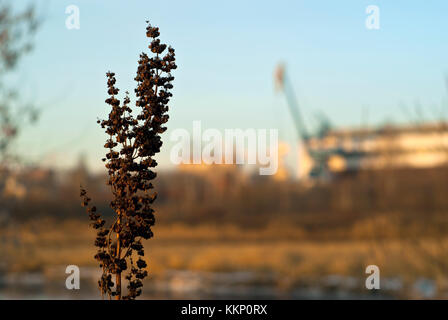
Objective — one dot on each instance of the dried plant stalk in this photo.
(133, 142)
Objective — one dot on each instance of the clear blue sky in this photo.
(226, 53)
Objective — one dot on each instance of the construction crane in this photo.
(282, 82)
(313, 163)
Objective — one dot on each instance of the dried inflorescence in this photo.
(133, 142)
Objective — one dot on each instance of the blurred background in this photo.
(362, 116)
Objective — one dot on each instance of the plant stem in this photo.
(118, 275)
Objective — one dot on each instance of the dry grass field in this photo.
(281, 249)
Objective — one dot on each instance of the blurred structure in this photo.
(418, 146)
(330, 151)
(282, 171)
(215, 181)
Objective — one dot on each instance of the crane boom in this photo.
(313, 161)
(285, 85)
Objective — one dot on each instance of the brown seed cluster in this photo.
(134, 139)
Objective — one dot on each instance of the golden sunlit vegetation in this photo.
(277, 248)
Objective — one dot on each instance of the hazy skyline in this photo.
(226, 54)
